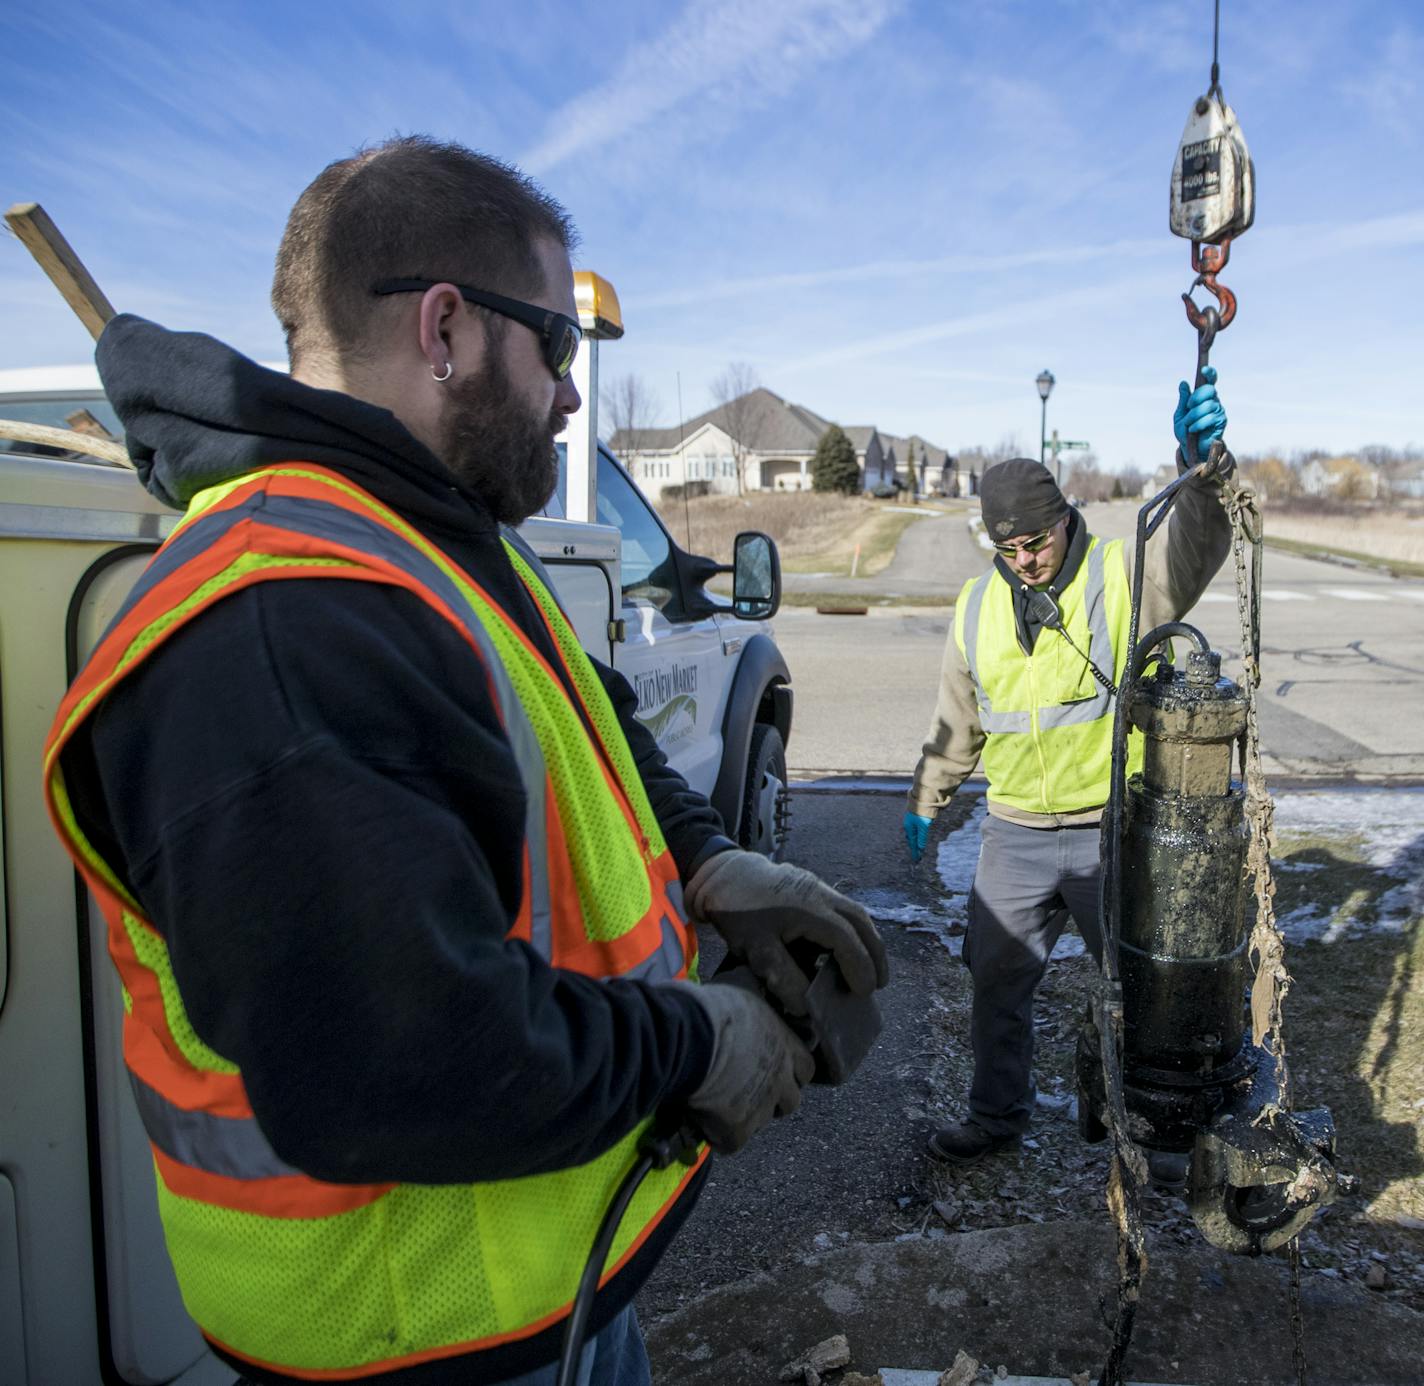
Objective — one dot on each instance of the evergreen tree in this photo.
(834, 467)
(911, 475)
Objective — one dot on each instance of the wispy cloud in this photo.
(1034, 309)
(745, 52)
(900, 269)
(1308, 239)
(1289, 245)
(1391, 90)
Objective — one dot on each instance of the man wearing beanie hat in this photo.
(1028, 701)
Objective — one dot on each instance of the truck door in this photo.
(87, 1292)
(673, 656)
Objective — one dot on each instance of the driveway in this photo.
(936, 556)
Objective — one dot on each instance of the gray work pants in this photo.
(1027, 883)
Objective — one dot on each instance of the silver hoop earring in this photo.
(441, 379)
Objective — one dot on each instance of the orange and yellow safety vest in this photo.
(335, 1281)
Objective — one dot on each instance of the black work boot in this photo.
(966, 1143)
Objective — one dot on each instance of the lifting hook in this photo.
(1209, 261)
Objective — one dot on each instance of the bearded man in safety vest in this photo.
(393, 876)
(1025, 698)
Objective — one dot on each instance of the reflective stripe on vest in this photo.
(416, 1273)
(1047, 721)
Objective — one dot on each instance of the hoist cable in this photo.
(1215, 53)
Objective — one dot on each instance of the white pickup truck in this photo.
(87, 1294)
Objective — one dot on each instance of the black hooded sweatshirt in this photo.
(312, 797)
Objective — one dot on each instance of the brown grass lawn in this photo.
(1355, 1024)
(1392, 530)
(813, 531)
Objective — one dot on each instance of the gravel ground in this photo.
(851, 1165)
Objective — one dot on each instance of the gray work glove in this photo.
(760, 906)
(758, 1067)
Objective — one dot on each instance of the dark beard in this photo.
(499, 450)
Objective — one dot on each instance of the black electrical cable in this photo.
(1051, 615)
(659, 1147)
(577, 1325)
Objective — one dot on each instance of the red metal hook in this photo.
(1209, 261)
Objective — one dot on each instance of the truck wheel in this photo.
(766, 800)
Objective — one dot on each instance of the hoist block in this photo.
(1213, 179)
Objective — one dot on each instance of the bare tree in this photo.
(632, 407)
(1133, 479)
(1086, 480)
(733, 390)
(980, 458)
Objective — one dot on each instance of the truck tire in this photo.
(766, 800)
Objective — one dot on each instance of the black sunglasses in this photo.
(560, 336)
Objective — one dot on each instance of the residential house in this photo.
(1346, 477)
(778, 439)
(936, 472)
(1405, 478)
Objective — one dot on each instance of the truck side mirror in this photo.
(756, 577)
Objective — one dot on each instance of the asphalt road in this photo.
(1342, 662)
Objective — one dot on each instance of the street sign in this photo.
(1067, 444)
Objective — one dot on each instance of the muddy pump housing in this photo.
(1191, 1079)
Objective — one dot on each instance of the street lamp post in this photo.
(1045, 388)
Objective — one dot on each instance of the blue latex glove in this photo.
(1199, 412)
(917, 834)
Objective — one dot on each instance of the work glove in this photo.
(758, 1066)
(1200, 413)
(917, 834)
(761, 907)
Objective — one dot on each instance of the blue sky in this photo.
(896, 212)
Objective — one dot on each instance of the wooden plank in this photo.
(42, 238)
(82, 421)
(67, 440)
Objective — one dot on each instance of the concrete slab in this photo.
(1033, 1298)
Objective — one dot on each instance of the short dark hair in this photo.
(409, 208)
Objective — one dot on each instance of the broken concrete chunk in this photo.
(962, 1371)
(1002, 1372)
(824, 1357)
(1377, 1277)
(1081, 1379)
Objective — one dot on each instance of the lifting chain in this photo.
(1267, 945)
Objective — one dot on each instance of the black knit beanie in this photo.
(1019, 497)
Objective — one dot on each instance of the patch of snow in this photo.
(1384, 828)
(955, 860)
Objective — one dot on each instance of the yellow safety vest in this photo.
(337, 1281)
(1047, 721)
